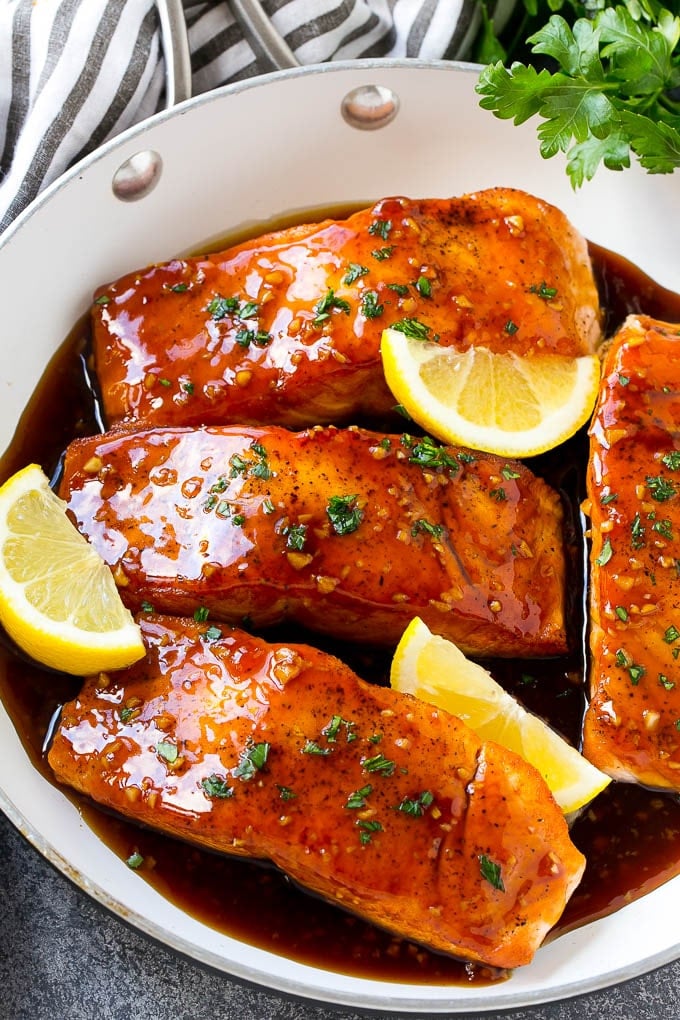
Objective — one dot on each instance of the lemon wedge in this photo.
(58, 599)
(435, 670)
(501, 403)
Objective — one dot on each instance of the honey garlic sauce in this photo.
(629, 835)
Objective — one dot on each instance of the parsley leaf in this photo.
(609, 89)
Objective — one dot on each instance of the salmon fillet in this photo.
(370, 798)
(349, 532)
(285, 329)
(632, 725)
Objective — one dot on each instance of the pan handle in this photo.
(175, 42)
(268, 45)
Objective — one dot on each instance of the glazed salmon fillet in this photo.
(347, 531)
(370, 798)
(632, 725)
(285, 329)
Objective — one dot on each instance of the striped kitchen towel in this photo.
(74, 73)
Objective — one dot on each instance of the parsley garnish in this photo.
(672, 460)
(126, 714)
(296, 536)
(622, 613)
(660, 488)
(606, 554)
(344, 514)
(370, 306)
(146, 607)
(509, 473)
(421, 525)
(221, 306)
(382, 253)
(380, 228)
(167, 750)
(368, 828)
(543, 291)
(664, 528)
(354, 272)
(217, 786)
(637, 532)
(498, 494)
(135, 860)
(416, 806)
(378, 763)
(607, 93)
(213, 634)
(665, 682)
(672, 634)
(357, 800)
(423, 286)
(326, 304)
(510, 327)
(311, 747)
(285, 792)
(427, 454)
(399, 288)
(252, 760)
(491, 872)
(414, 329)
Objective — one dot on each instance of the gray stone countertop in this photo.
(63, 957)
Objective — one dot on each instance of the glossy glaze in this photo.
(240, 520)
(371, 798)
(299, 343)
(632, 726)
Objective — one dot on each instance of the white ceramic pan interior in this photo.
(241, 156)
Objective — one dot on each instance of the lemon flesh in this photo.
(502, 403)
(435, 670)
(58, 599)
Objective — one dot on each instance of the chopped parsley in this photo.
(399, 288)
(221, 306)
(498, 494)
(622, 613)
(354, 273)
(544, 291)
(357, 800)
(213, 634)
(126, 714)
(344, 514)
(428, 454)
(672, 634)
(296, 536)
(491, 872)
(252, 760)
(217, 786)
(285, 792)
(378, 763)
(637, 532)
(416, 806)
(509, 473)
(146, 607)
(368, 829)
(665, 682)
(663, 528)
(311, 747)
(326, 304)
(381, 254)
(414, 329)
(380, 228)
(423, 286)
(370, 306)
(423, 526)
(660, 488)
(611, 497)
(510, 327)
(672, 460)
(168, 751)
(606, 554)
(135, 860)
(331, 730)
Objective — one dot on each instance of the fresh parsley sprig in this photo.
(605, 83)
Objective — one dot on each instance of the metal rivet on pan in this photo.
(370, 106)
(137, 176)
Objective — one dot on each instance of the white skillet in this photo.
(240, 156)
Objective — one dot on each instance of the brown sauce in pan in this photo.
(629, 835)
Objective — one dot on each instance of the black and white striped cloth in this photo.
(74, 73)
